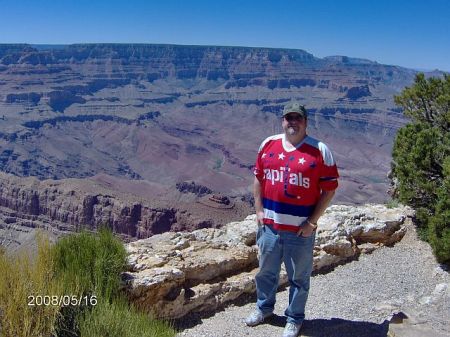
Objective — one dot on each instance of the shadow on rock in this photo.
(196, 318)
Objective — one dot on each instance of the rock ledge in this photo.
(173, 274)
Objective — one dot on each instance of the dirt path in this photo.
(356, 299)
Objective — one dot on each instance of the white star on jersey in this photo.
(263, 155)
(281, 156)
(301, 160)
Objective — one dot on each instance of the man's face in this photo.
(293, 124)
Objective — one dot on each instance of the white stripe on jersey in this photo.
(274, 137)
(284, 219)
(324, 150)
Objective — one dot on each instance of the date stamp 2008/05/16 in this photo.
(61, 300)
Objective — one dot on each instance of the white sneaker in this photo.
(256, 317)
(291, 330)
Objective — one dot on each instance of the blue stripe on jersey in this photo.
(327, 178)
(282, 208)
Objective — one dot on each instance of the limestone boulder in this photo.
(173, 274)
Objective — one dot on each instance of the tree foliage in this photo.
(427, 101)
(421, 159)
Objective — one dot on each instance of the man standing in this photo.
(295, 179)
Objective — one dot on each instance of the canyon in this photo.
(150, 138)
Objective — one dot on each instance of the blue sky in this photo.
(413, 33)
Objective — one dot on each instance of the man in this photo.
(295, 179)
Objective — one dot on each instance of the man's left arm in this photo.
(328, 183)
(310, 225)
(321, 205)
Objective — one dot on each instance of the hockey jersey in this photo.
(292, 179)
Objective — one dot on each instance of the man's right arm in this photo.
(257, 194)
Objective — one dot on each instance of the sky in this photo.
(409, 33)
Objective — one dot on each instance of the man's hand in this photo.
(258, 202)
(310, 225)
(306, 229)
(260, 218)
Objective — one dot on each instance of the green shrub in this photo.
(421, 159)
(118, 319)
(393, 203)
(90, 264)
(439, 224)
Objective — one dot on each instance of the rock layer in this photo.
(174, 274)
(133, 209)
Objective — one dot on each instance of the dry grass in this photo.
(23, 276)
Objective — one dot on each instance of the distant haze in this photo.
(413, 34)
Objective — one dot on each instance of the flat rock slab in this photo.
(173, 274)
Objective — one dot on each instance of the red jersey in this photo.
(293, 179)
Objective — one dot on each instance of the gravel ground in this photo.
(356, 299)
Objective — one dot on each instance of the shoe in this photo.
(256, 317)
(291, 330)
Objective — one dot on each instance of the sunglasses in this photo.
(292, 118)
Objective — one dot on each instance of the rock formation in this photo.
(192, 187)
(132, 209)
(174, 274)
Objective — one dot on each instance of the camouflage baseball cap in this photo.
(295, 107)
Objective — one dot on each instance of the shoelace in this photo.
(291, 327)
(256, 315)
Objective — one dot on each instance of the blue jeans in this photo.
(297, 254)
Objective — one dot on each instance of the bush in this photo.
(439, 225)
(90, 264)
(87, 265)
(78, 265)
(421, 159)
(393, 203)
(118, 319)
